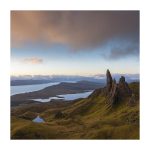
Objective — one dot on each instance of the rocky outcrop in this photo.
(113, 95)
(108, 80)
(116, 92)
(124, 89)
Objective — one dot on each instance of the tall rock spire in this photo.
(124, 89)
(108, 80)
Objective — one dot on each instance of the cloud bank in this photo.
(76, 29)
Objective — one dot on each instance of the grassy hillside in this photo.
(88, 118)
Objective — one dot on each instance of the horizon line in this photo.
(74, 74)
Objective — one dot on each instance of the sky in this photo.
(74, 42)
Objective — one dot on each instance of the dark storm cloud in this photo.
(119, 52)
(77, 29)
(130, 48)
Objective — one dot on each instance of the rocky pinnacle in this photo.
(116, 92)
(108, 80)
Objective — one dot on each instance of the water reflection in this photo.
(66, 97)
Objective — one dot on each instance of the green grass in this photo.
(83, 119)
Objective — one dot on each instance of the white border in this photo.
(5, 8)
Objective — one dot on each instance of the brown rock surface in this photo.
(116, 92)
(124, 89)
(108, 80)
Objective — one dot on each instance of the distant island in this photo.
(62, 88)
(28, 82)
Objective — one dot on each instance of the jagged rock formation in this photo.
(116, 92)
(113, 95)
(109, 80)
(124, 89)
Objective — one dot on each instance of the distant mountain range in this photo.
(40, 79)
